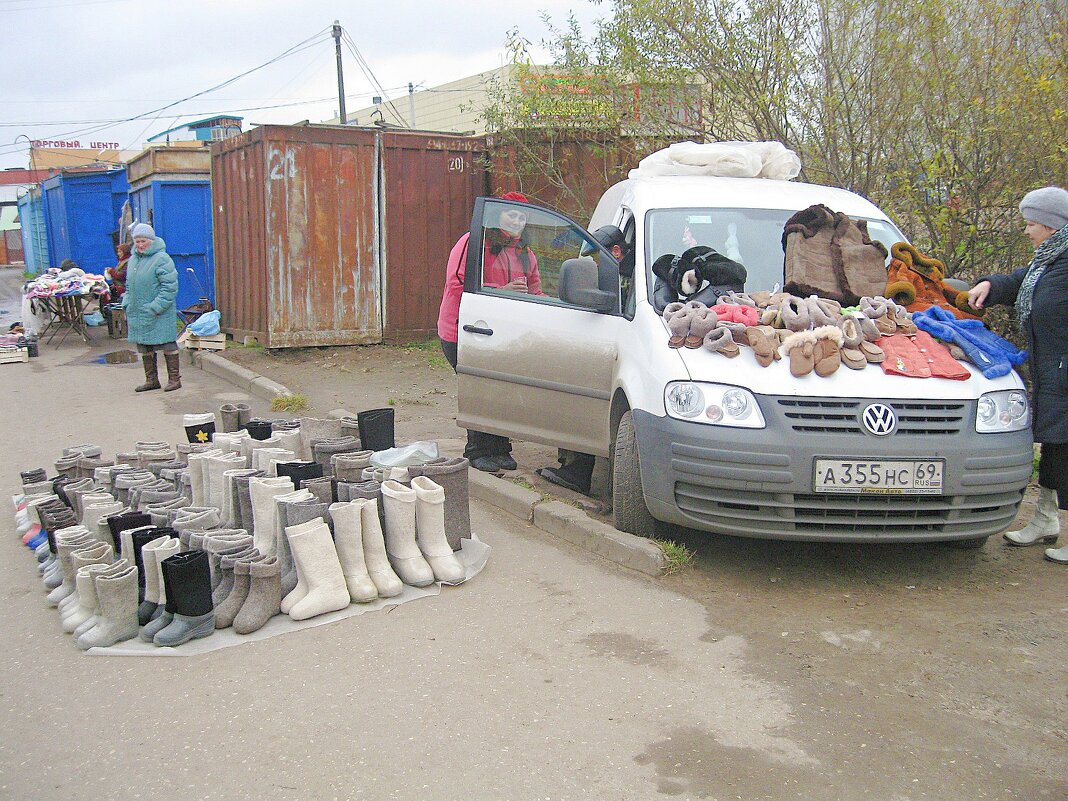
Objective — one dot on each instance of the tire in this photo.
(629, 511)
(970, 545)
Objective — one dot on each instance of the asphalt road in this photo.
(552, 675)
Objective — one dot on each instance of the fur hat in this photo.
(142, 230)
(1047, 206)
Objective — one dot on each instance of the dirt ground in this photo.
(892, 652)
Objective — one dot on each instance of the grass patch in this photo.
(251, 345)
(431, 348)
(522, 482)
(28, 276)
(289, 403)
(678, 556)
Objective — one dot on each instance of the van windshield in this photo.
(752, 237)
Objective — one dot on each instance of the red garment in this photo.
(920, 356)
(497, 270)
(747, 315)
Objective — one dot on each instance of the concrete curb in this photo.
(240, 377)
(552, 517)
(569, 523)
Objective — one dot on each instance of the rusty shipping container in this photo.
(329, 235)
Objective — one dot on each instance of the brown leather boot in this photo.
(148, 360)
(174, 380)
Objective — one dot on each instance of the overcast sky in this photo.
(71, 68)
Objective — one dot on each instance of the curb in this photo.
(241, 377)
(568, 523)
(551, 516)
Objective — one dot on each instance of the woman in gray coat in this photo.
(1040, 293)
(151, 317)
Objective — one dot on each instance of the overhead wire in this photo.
(300, 46)
(369, 74)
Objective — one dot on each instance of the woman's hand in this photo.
(516, 285)
(978, 294)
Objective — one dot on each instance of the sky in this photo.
(75, 69)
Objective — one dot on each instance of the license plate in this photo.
(897, 477)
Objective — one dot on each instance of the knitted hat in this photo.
(142, 230)
(519, 196)
(1047, 206)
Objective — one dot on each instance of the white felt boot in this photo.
(87, 604)
(217, 465)
(408, 562)
(348, 539)
(318, 570)
(1044, 526)
(198, 475)
(117, 596)
(430, 531)
(263, 492)
(374, 551)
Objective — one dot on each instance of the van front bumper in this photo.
(760, 482)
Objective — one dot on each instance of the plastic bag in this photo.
(206, 324)
(94, 318)
(730, 159)
(416, 453)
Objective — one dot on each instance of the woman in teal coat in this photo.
(151, 317)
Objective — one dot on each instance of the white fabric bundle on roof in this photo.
(729, 159)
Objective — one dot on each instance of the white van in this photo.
(725, 445)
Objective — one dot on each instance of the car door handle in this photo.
(474, 329)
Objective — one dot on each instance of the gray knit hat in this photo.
(1047, 206)
(142, 230)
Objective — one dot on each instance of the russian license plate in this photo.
(897, 477)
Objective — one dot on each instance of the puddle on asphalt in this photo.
(117, 357)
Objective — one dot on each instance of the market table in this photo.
(67, 314)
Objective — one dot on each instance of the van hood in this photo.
(871, 382)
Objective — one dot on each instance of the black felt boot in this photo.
(187, 578)
(376, 429)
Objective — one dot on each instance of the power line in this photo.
(309, 42)
(366, 69)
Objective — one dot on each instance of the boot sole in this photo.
(1040, 541)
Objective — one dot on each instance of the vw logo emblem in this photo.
(879, 419)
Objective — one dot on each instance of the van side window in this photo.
(524, 250)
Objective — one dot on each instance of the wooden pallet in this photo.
(193, 342)
(10, 355)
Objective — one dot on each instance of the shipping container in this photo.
(331, 235)
(81, 213)
(34, 235)
(170, 188)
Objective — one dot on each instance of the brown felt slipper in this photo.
(677, 317)
(852, 356)
(764, 342)
(872, 352)
(738, 331)
(719, 340)
(795, 315)
(799, 349)
(822, 312)
(877, 309)
(827, 352)
(702, 321)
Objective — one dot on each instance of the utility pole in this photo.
(340, 75)
(411, 105)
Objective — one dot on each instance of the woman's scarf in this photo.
(1044, 256)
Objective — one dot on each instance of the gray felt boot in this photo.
(226, 609)
(227, 579)
(451, 475)
(264, 595)
(293, 514)
(230, 415)
(348, 538)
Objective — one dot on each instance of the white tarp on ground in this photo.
(473, 553)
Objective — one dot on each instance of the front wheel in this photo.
(629, 512)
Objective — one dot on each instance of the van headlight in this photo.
(1003, 411)
(714, 404)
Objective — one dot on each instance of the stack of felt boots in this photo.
(234, 415)
(115, 590)
(187, 588)
(350, 466)
(312, 430)
(324, 449)
(452, 475)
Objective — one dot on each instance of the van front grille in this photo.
(842, 415)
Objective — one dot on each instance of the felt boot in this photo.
(231, 508)
(430, 531)
(199, 428)
(299, 471)
(87, 603)
(190, 583)
(97, 571)
(155, 591)
(292, 513)
(348, 538)
(258, 429)
(148, 361)
(452, 475)
(323, 451)
(404, 553)
(117, 621)
(67, 541)
(230, 415)
(96, 554)
(376, 429)
(147, 609)
(243, 500)
(198, 475)
(124, 521)
(220, 543)
(263, 491)
(313, 429)
(216, 466)
(325, 488)
(321, 584)
(227, 607)
(349, 466)
(264, 597)
(1044, 527)
(139, 538)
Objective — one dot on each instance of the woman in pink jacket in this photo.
(508, 264)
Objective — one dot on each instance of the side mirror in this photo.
(580, 286)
